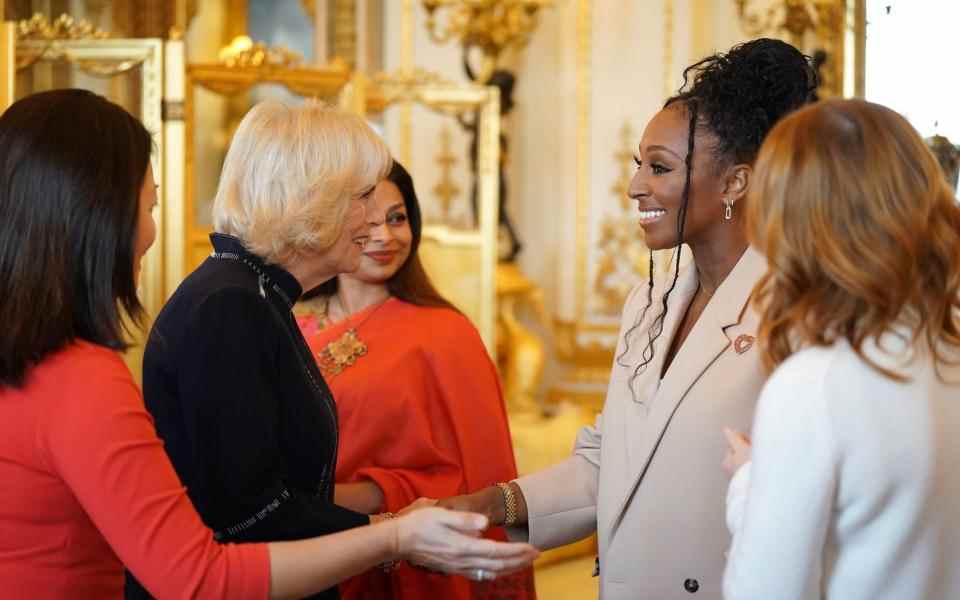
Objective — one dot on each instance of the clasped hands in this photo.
(449, 541)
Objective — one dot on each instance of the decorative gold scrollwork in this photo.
(446, 189)
(64, 27)
(490, 25)
(825, 19)
(622, 260)
(244, 64)
(39, 38)
(244, 52)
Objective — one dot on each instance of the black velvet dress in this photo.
(246, 418)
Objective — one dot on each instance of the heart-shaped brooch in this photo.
(743, 343)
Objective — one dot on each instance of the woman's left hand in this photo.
(738, 450)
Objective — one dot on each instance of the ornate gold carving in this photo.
(245, 64)
(623, 259)
(244, 52)
(38, 37)
(64, 27)
(824, 19)
(490, 25)
(446, 189)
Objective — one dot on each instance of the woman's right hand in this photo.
(448, 541)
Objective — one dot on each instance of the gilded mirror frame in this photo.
(108, 58)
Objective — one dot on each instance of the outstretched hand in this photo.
(448, 541)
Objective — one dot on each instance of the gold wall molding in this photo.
(446, 189)
(8, 63)
(407, 62)
(40, 28)
(622, 258)
(492, 26)
(345, 31)
(239, 72)
(244, 52)
(668, 81)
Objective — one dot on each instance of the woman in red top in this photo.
(420, 407)
(87, 487)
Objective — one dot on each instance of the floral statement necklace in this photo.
(344, 351)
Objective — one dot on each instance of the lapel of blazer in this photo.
(647, 422)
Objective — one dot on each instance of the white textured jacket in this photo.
(854, 489)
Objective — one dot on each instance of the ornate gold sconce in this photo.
(489, 25)
(824, 19)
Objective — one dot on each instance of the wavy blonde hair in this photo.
(290, 174)
(861, 232)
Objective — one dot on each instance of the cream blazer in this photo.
(647, 476)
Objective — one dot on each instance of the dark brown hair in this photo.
(71, 168)
(410, 283)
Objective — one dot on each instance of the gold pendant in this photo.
(341, 352)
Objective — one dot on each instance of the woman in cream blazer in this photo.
(646, 476)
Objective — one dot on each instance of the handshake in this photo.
(445, 536)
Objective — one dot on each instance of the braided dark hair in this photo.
(738, 97)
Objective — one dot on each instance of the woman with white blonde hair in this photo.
(247, 420)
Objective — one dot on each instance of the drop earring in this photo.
(727, 209)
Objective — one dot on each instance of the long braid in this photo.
(643, 313)
(656, 329)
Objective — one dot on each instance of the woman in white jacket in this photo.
(853, 488)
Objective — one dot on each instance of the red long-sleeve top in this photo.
(86, 487)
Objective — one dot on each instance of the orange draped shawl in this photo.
(421, 415)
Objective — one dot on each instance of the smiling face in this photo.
(658, 183)
(346, 251)
(390, 236)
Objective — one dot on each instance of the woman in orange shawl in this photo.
(420, 407)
